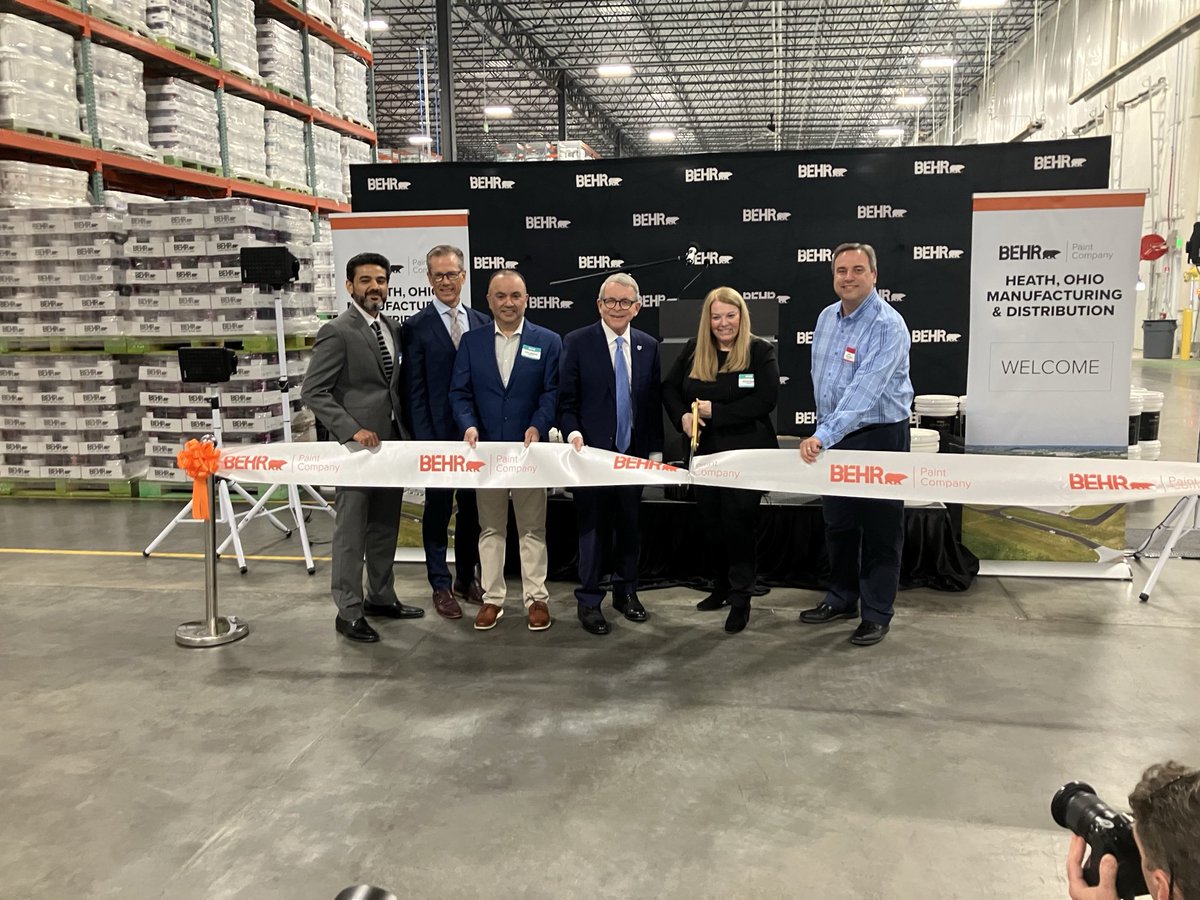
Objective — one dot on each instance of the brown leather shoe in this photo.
(488, 616)
(445, 604)
(472, 593)
(539, 616)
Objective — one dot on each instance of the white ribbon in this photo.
(915, 477)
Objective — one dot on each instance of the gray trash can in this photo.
(1158, 338)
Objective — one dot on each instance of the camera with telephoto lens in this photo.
(1076, 807)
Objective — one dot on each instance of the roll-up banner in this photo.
(404, 238)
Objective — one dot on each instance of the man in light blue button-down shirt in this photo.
(864, 396)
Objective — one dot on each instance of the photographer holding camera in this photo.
(1165, 832)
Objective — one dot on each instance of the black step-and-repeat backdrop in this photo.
(764, 223)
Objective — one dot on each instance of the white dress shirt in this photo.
(507, 346)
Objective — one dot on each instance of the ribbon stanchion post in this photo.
(201, 460)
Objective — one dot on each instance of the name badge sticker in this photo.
(531, 352)
(746, 380)
(849, 354)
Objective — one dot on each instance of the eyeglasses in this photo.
(445, 276)
(614, 303)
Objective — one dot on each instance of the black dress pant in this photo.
(865, 538)
(607, 518)
(439, 504)
(730, 519)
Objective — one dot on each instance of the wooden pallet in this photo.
(188, 51)
(72, 137)
(191, 164)
(122, 488)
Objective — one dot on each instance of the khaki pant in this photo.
(529, 505)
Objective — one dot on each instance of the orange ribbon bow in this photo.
(199, 460)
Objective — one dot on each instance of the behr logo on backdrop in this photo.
(541, 223)
(1026, 251)
(1060, 161)
(494, 262)
(766, 295)
(599, 262)
(597, 180)
(935, 251)
(814, 255)
(708, 258)
(937, 167)
(881, 211)
(890, 296)
(806, 417)
(653, 220)
(765, 215)
(934, 336)
(709, 173)
(804, 338)
(650, 301)
(489, 183)
(819, 170)
(387, 184)
(546, 301)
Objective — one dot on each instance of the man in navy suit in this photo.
(431, 339)
(610, 398)
(504, 388)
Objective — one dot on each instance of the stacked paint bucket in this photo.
(1135, 423)
(938, 424)
(1149, 446)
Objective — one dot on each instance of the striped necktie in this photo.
(455, 328)
(388, 365)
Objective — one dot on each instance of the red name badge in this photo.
(848, 355)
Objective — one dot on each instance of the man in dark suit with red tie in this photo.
(610, 398)
(431, 340)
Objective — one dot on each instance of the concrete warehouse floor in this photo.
(665, 760)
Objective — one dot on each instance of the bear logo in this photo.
(894, 478)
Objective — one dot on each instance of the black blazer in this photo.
(742, 407)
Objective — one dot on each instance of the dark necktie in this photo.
(388, 364)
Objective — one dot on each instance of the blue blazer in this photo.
(428, 365)
(480, 399)
(586, 402)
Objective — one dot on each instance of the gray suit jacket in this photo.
(345, 386)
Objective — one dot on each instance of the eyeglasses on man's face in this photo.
(446, 276)
(615, 303)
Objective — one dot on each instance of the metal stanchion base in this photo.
(197, 634)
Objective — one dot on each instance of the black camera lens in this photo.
(1075, 805)
(1077, 808)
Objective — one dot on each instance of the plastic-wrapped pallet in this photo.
(322, 75)
(281, 57)
(350, 19)
(129, 12)
(325, 283)
(185, 23)
(320, 9)
(69, 417)
(351, 82)
(239, 43)
(246, 137)
(327, 155)
(287, 158)
(354, 152)
(37, 78)
(183, 120)
(62, 275)
(120, 100)
(24, 185)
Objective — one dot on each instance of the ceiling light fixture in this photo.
(419, 140)
(891, 131)
(614, 70)
(912, 100)
(981, 4)
(498, 112)
(378, 25)
(937, 62)
(661, 135)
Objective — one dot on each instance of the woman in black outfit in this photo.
(735, 378)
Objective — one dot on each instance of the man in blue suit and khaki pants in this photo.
(610, 398)
(431, 339)
(504, 388)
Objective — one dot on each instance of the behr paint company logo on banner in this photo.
(490, 183)
(494, 262)
(1060, 161)
(708, 173)
(447, 462)
(848, 473)
(252, 463)
(387, 184)
(880, 211)
(544, 223)
(936, 251)
(635, 462)
(765, 215)
(1011, 252)
(653, 220)
(1088, 481)
(547, 301)
(937, 167)
(814, 255)
(597, 180)
(819, 170)
(587, 263)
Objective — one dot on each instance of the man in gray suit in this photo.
(353, 387)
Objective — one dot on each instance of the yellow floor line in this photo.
(44, 551)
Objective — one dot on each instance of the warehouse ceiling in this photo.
(745, 75)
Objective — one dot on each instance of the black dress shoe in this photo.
(393, 610)
(713, 601)
(592, 619)
(868, 633)
(359, 630)
(630, 607)
(739, 616)
(823, 612)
